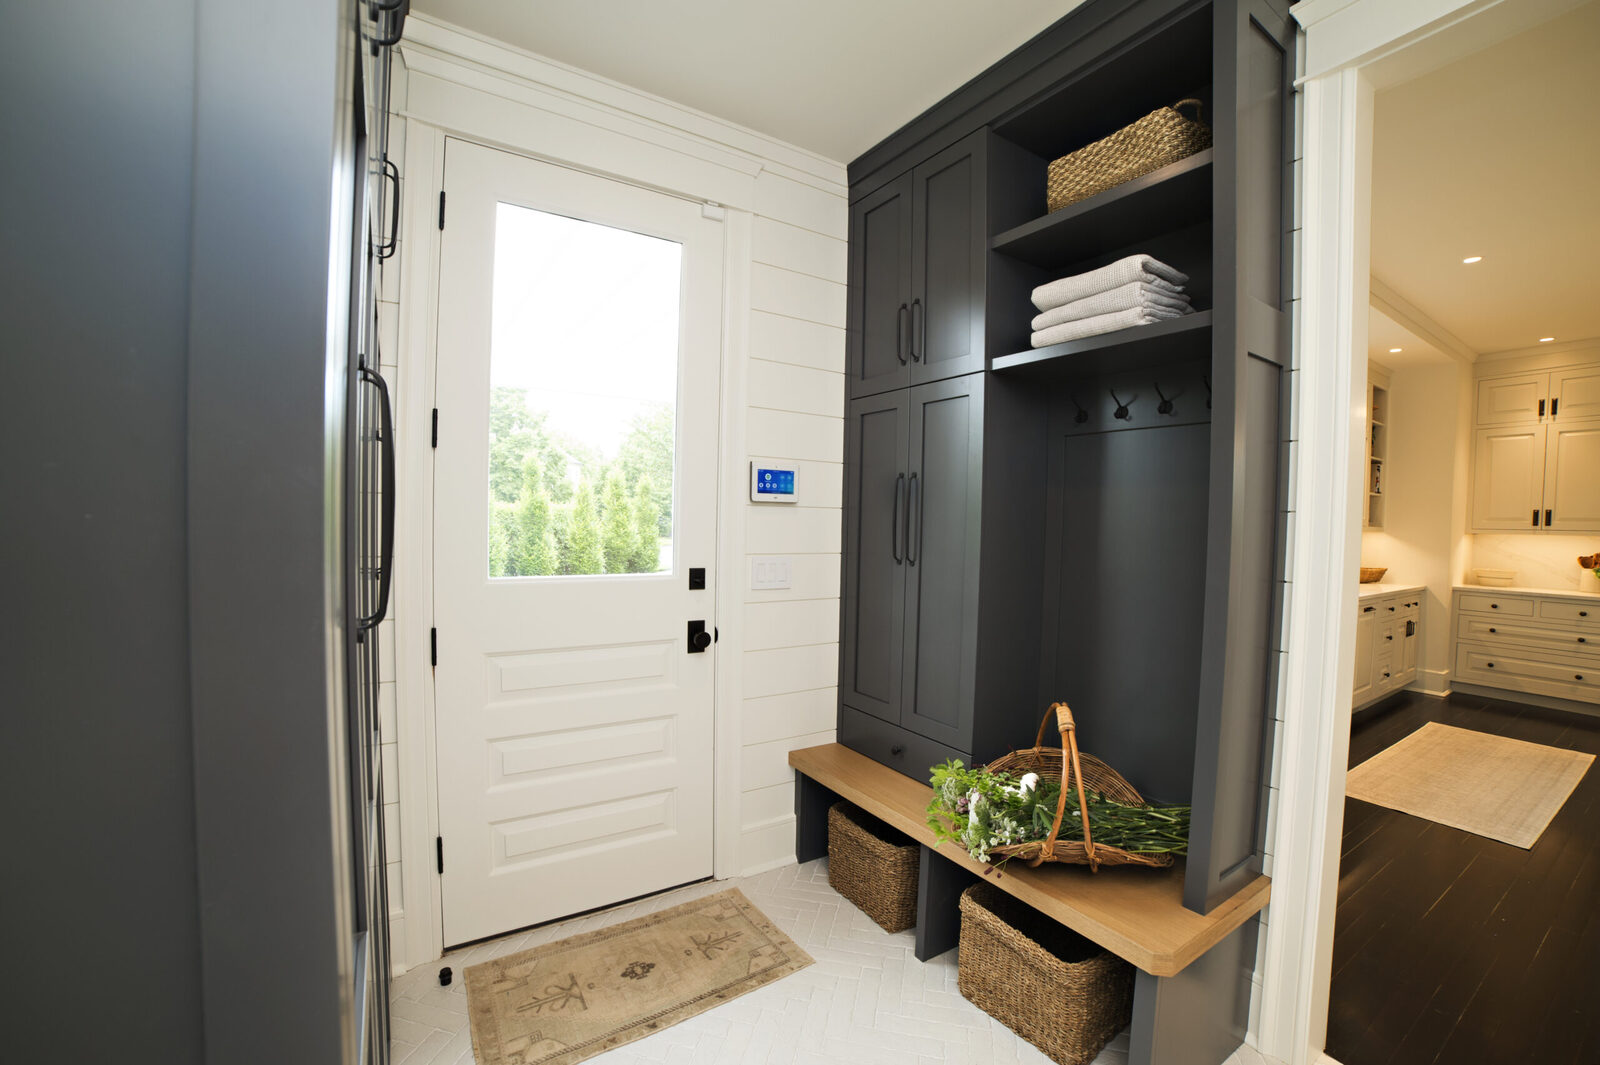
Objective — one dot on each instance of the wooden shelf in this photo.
(1173, 197)
(1174, 340)
(1137, 914)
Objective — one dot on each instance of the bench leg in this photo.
(1199, 1016)
(940, 883)
(811, 802)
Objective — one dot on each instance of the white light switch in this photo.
(769, 572)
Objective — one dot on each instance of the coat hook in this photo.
(1207, 380)
(1122, 408)
(1165, 406)
(1082, 415)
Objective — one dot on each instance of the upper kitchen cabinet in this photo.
(1536, 452)
(1572, 477)
(917, 249)
(1512, 400)
(1507, 485)
(1575, 394)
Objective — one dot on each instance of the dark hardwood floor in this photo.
(1456, 949)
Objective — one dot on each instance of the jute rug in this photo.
(567, 1001)
(1491, 786)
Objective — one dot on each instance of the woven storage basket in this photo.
(880, 877)
(1163, 136)
(1088, 772)
(1040, 979)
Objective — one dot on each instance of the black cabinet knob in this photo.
(1582, 640)
(1388, 637)
(1583, 613)
(1491, 665)
(1577, 676)
(1494, 606)
(898, 749)
(1492, 629)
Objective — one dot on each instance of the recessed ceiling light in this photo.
(1394, 351)
(1545, 340)
(1473, 259)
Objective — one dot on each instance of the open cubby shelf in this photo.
(1175, 196)
(1175, 340)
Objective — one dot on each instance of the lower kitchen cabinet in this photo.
(1388, 635)
(1537, 643)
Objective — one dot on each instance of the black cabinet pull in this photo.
(918, 330)
(898, 749)
(1535, 517)
(387, 247)
(1583, 613)
(1547, 518)
(386, 537)
(1389, 638)
(1582, 640)
(900, 339)
(1541, 408)
(913, 506)
(1491, 665)
(1577, 676)
(1554, 406)
(1368, 609)
(1492, 630)
(1494, 606)
(894, 537)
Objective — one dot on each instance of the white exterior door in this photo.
(1571, 487)
(579, 340)
(1508, 479)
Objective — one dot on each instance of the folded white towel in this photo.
(1135, 295)
(1100, 323)
(1133, 268)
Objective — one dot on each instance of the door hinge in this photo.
(438, 843)
(441, 208)
(436, 427)
(433, 646)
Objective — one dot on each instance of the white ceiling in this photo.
(1497, 155)
(831, 76)
(1385, 334)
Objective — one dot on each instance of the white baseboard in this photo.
(1530, 699)
(397, 943)
(1433, 682)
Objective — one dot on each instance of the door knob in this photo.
(699, 638)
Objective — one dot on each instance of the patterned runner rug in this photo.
(567, 1001)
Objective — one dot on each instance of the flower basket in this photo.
(867, 867)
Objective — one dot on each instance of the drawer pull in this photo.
(1582, 640)
(1577, 676)
(1368, 609)
(1491, 665)
(898, 748)
(1389, 638)
(1583, 613)
(1386, 675)
(1494, 606)
(1493, 629)
(1391, 610)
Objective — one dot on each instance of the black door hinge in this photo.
(441, 208)
(433, 643)
(438, 843)
(436, 427)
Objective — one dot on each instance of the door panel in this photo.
(575, 479)
(1575, 394)
(947, 254)
(1507, 478)
(1512, 400)
(873, 606)
(941, 637)
(880, 290)
(1572, 476)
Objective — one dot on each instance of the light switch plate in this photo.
(770, 572)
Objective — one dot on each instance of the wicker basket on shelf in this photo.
(1088, 772)
(1160, 138)
(867, 866)
(1045, 982)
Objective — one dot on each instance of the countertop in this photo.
(1369, 590)
(1555, 593)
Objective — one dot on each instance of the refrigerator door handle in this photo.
(386, 542)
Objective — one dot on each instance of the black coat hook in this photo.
(1207, 380)
(1082, 415)
(1121, 412)
(1165, 406)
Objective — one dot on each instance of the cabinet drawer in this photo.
(1383, 609)
(1497, 605)
(1509, 632)
(1525, 671)
(1568, 610)
(904, 752)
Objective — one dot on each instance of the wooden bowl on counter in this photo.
(1373, 574)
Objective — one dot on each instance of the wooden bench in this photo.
(1192, 991)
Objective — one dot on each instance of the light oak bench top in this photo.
(1136, 913)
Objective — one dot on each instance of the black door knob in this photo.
(702, 640)
(699, 638)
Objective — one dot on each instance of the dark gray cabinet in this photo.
(917, 251)
(876, 485)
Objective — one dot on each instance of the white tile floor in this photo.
(867, 999)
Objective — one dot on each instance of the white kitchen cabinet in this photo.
(1508, 478)
(1512, 400)
(1537, 643)
(1572, 476)
(1388, 635)
(1575, 394)
(1366, 633)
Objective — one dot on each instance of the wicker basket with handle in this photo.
(873, 866)
(1158, 139)
(1090, 774)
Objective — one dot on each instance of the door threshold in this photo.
(574, 916)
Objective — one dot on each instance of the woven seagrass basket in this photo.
(878, 875)
(1090, 774)
(1158, 139)
(1045, 982)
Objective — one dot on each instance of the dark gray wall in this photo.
(97, 119)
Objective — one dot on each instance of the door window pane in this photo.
(583, 376)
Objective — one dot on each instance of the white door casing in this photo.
(573, 726)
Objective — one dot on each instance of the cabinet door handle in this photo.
(1547, 516)
(1541, 408)
(913, 505)
(894, 537)
(1554, 404)
(900, 338)
(918, 330)
(1389, 638)
(1368, 609)
(1535, 517)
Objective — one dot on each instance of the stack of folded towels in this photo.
(1134, 291)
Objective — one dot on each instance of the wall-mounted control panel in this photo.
(772, 483)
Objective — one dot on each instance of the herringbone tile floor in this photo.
(866, 1001)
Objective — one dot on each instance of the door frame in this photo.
(621, 143)
(1349, 49)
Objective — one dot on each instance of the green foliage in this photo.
(502, 534)
(583, 554)
(981, 810)
(534, 545)
(646, 528)
(645, 457)
(514, 431)
(618, 540)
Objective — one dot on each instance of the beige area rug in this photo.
(567, 1001)
(1491, 786)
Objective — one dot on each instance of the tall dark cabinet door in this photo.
(948, 247)
(879, 317)
(943, 501)
(877, 491)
